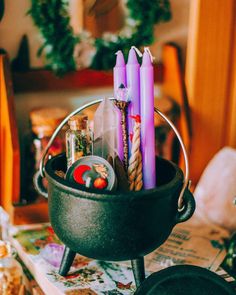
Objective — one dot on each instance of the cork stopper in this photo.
(5, 249)
(78, 122)
(45, 120)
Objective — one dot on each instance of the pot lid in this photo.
(184, 280)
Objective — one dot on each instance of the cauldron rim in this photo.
(75, 191)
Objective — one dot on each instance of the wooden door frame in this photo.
(210, 79)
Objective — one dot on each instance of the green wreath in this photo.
(53, 21)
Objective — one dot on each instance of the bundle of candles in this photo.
(123, 135)
(139, 82)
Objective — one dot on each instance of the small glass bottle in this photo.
(79, 139)
(43, 122)
(11, 273)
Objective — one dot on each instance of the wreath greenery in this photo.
(53, 21)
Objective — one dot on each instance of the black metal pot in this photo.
(115, 226)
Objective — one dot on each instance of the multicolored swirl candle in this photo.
(133, 85)
(119, 72)
(147, 121)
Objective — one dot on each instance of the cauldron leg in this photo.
(138, 270)
(66, 262)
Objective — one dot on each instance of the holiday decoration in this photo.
(65, 51)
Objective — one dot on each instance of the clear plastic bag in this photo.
(216, 190)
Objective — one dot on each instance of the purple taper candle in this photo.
(133, 85)
(119, 72)
(147, 121)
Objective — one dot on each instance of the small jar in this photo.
(11, 273)
(43, 122)
(79, 139)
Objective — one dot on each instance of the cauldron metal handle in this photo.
(38, 183)
(41, 174)
(186, 183)
(188, 209)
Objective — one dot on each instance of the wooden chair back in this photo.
(174, 86)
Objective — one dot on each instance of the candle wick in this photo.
(146, 49)
(137, 51)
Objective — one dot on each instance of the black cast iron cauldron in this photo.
(115, 226)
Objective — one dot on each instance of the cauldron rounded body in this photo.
(116, 226)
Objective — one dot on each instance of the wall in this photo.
(175, 30)
(15, 23)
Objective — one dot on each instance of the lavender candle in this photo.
(119, 72)
(133, 85)
(147, 121)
